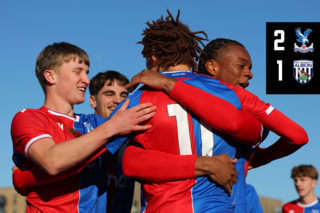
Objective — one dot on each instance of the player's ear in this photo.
(93, 101)
(50, 77)
(154, 59)
(151, 61)
(212, 67)
(314, 182)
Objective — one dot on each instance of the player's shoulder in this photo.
(294, 202)
(136, 95)
(30, 113)
(250, 188)
(92, 120)
(206, 78)
(86, 117)
(317, 205)
(290, 205)
(28, 117)
(200, 80)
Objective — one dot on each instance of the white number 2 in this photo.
(184, 140)
(280, 40)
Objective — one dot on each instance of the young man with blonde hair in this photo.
(47, 138)
(305, 180)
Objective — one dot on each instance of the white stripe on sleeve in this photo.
(34, 140)
(269, 110)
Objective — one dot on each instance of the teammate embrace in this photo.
(189, 154)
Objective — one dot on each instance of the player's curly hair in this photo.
(214, 49)
(172, 43)
(304, 171)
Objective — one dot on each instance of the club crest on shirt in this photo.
(303, 71)
(303, 39)
(75, 133)
(88, 126)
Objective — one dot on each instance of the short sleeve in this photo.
(28, 127)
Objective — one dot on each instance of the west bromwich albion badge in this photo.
(303, 70)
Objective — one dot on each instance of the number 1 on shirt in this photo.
(184, 140)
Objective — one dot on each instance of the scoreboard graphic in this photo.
(293, 57)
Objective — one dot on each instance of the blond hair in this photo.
(52, 57)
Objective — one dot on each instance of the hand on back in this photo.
(130, 120)
(153, 79)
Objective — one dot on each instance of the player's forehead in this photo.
(115, 86)
(236, 52)
(74, 63)
(301, 176)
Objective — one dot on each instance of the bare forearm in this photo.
(36, 176)
(57, 158)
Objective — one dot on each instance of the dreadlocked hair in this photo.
(172, 43)
(214, 49)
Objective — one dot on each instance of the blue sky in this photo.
(108, 32)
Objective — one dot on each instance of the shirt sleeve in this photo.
(251, 104)
(292, 138)
(28, 127)
(292, 135)
(151, 165)
(34, 175)
(219, 113)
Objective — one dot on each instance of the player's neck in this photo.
(308, 198)
(58, 105)
(179, 67)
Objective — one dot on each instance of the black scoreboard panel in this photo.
(292, 66)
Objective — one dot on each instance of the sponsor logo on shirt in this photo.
(118, 182)
(88, 126)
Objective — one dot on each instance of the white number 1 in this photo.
(184, 140)
(279, 62)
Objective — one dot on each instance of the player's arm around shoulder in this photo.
(56, 158)
(32, 138)
(153, 79)
(216, 111)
